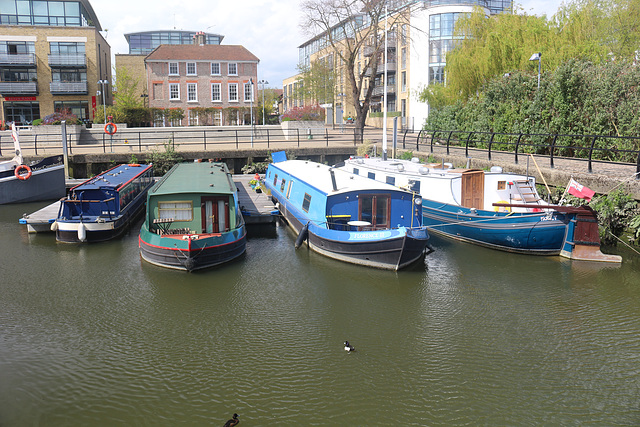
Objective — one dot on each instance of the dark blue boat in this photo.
(104, 206)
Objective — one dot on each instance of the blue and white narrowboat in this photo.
(104, 206)
(492, 208)
(347, 217)
(193, 220)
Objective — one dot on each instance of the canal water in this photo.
(92, 336)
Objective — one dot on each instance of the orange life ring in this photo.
(21, 177)
(110, 128)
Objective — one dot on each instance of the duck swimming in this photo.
(233, 421)
(348, 347)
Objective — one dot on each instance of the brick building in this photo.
(211, 84)
(52, 56)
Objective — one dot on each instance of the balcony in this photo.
(391, 68)
(68, 88)
(68, 60)
(18, 88)
(19, 60)
(379, 90)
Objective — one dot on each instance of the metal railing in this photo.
(183, 138)
(552, 146)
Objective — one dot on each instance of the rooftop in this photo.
(206, 52)
(203, 178)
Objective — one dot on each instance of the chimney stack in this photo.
(200, 38)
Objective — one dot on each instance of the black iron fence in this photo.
(586, 148)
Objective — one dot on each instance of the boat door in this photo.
(375, 209)
(215, 214)
(472, 194)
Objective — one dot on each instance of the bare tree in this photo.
(347, 28)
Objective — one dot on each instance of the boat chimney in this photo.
(333, 180)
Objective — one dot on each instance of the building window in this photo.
(174, 91)
(233, 92)
(191, 69)
(66, 48)
(78, 108)
(404, 81)
(247, 92)
(192, 92)
(193, 118)
(403, 34)
(173, 69)
(403, 58)
(215, 68)
(232, 69)
(69, 75)
(216, 93)
(436, 74)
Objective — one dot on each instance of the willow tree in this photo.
(593, 30)
(347, 29)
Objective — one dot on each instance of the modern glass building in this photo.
(51, 13)
(52, 56)
(144, 42)
(416, 53)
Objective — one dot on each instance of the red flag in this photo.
(580, 190)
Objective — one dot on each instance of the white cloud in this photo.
(270, 29)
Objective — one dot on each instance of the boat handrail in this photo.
(88, 201)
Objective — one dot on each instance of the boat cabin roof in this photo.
(318, 176)
(204, 178)
(112, 178)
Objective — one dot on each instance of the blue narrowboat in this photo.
(493, 208)
(104, 206)
(347, 217)
(193, 220)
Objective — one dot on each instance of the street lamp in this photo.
(536, 57)
(263, 82)
(103, 83)
(251, 87)
(341, 95)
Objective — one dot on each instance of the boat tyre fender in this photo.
(302, 235)
(18, 172)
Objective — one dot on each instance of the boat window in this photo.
(178, 211)
(371, 175)
(289, 189)
(502, 185)
(414, 185)
(375, 209)
(391, 180)
(306, 202)
(275, 180)
(282, 184)
(356, 171)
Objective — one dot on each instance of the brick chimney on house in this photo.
(200, 38)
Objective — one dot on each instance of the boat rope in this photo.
(541, 175)
(623, 182)
(623, 242)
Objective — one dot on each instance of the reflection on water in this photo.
(90, 335)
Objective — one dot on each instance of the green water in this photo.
(92, 336)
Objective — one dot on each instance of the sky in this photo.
(270, 29)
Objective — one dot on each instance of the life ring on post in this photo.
(110, 128)
(22, 177)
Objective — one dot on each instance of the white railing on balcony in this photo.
(66, 60)
(15, 88)
(68, 87)
(17, 59)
